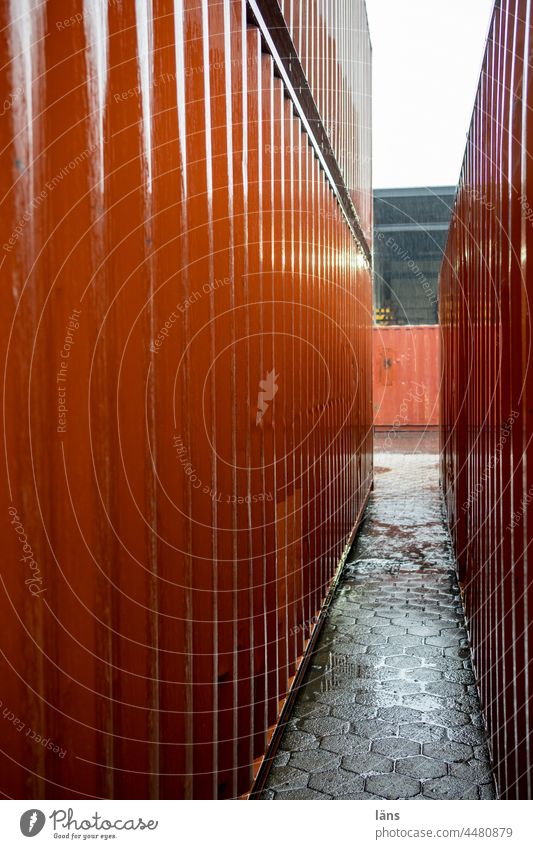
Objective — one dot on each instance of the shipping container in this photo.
(406, 377)
(487, 415)
(185, 218)
(411, 229)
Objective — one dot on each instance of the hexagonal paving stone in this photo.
(357, 632)
(396, 747)
(448, 751)
(344, 645)
(336, 697)
(423, 651)
(463, 676)
(363, 796)
(337, 782)
(291, 724)
(424, 630)
(366, 616)
(322, 725)
(402, 620)
(392, 786)
(383, 612)
(367, 763)
(465, 702)
(424, 674)
(445, 717)
(314, 760)
(467, 734)
(421, 767)
(408, 640)
(457, 629)
(487, 791)
(367, 685)
(377, 697)
(266, 795)
(308, 709)
(370, 640)
(462, 652)
(345, 744)
(380, 672)
(399, 714)
(407, 717)
(389, 630)
(353, 713)
(372, 728)
(445, 688)
(445, 640)
(402, 687)
(303, 794)
(342, 619)
(295, 741)
(281, 759)
(450, 788)
(423, 701)
(387, 650)
(474, 771)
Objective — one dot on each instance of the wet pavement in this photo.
(389, 709)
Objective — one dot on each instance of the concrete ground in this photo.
(389, 709)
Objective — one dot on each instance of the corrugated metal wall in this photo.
(487, 414)
(186, 342)
(406, 376)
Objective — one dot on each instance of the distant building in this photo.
(410, 233)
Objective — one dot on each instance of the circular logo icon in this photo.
(32, 822)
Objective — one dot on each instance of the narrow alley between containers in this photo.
(389, 708)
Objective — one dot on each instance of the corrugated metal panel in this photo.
(187, 392)
(406, 376)
(486, 398)
(339, 78)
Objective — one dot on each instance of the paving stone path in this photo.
(390, 709)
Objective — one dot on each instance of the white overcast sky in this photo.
(427, 58)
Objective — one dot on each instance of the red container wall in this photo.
(487, 413)
(186, 348)
(324, 36)
(406, 376)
